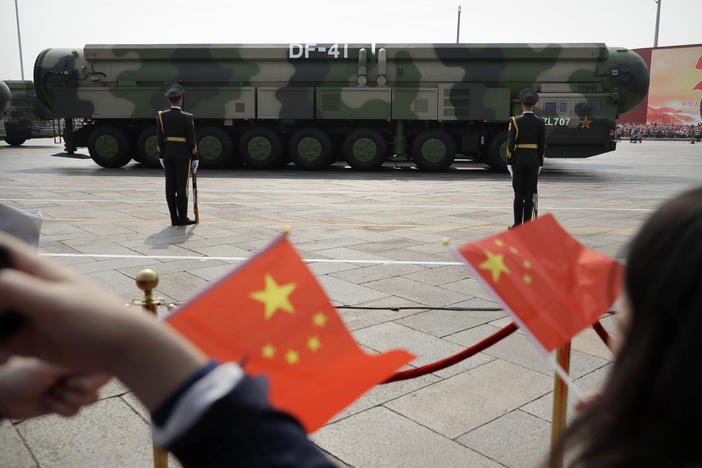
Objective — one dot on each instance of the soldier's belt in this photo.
(528, 146)
(183, 140)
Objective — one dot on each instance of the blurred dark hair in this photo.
(174, 100)
(650, 409)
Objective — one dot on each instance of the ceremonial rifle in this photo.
(197, 214)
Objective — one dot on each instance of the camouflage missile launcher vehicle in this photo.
(26, 117)
(265, 105)
(5, 96)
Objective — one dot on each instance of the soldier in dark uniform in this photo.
(177, 149)
(526, 149)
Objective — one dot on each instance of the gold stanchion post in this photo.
(147, 280)
(560, 399)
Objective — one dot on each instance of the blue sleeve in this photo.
(161, 414)
(242, 429)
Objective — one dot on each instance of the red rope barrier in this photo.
(473, 350)
(602, 333)
(449, 361)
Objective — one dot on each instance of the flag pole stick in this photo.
(563, 374)
(147, 280)
(560, 398)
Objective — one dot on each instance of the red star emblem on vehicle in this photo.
(585, 123)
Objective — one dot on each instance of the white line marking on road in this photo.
(241, 259)
(342, 204)
(290, 191)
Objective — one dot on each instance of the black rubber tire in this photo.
(442, 158)
(261, 148)
(215, 148)
(497, 152)
(15, 141)
(110, 146)
(146, 148)
(374, 145)
(308, 158)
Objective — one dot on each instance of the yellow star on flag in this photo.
(319, 319)
(495, 264)
(268, 351)
(275, 297)
(292, 357)
(585, 123)
(313, 343)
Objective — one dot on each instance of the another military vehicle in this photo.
(5, 96)
(27, 117)
(361, 103)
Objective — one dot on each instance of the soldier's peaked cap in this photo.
(528, 96)
(174, 91)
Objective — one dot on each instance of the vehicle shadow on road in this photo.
(460, 171)
(71, 156)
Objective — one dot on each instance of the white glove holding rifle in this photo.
(509, 168)
(162, 164)
(194, 165)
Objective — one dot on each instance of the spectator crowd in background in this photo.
(660, 130)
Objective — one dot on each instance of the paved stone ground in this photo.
(491, 410)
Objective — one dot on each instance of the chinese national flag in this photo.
(553, 286)
(272, 314)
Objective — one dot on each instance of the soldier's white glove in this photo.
(194, 165)
(162, 164)
(539, 173)
(509, 168)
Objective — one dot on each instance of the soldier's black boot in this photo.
(183, 219)
(172, 210)
(182, 202)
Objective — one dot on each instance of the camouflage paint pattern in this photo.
(5, 96)
(26, 116)
(468, 90)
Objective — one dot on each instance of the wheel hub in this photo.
(260, 148)
(434, 150)
(209, 148)
(150, 147)
(364, 149)
(107, 146)
(309, 149)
